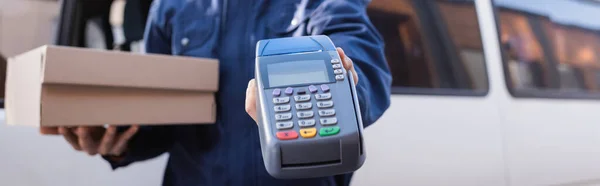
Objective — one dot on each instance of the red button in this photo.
(287, 135)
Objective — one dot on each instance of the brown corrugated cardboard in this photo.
(64, 86)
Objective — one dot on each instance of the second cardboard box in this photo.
(64, 86)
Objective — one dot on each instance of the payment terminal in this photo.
(308, 114)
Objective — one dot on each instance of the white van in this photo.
(488, 93)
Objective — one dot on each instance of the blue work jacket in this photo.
(228, 152)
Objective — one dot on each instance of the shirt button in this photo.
(185, 41)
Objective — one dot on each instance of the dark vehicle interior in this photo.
(75, 14)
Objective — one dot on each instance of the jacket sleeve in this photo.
(151, 141)
(348, 26)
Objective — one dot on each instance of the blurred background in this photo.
(484, 93)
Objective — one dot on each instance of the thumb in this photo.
(251, 99)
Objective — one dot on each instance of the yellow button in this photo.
(308, 133)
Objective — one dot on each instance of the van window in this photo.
(551, 50)
(432, 46)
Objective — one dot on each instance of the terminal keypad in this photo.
(296, 107)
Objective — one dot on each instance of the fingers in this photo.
(355, 76)
(108, 139)
(251, 99)
(70, 137)
(49, 130)
(123, 139)
(98, 140)
(348, 64)
(86, 141)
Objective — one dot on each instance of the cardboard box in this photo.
(64, 86)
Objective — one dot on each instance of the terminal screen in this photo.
(297, 72)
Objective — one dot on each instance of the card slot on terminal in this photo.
(311, 154)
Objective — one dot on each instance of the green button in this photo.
(329, 131)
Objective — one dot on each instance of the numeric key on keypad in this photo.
(328, 121)
(306, 123)
(305, 114)
(284, 125)
(328, 112)
(325, 104)
(281, 100)
(282, 108)
(281, 117)
(323, 96)
(302, 98)
(303, 106)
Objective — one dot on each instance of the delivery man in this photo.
(228, 152)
